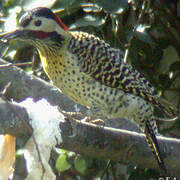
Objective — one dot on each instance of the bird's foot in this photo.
(74, 115)
(93, 120)
(81, 117)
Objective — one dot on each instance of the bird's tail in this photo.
(168, 109)
(153, 144)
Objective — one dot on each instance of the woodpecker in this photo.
(91, 73)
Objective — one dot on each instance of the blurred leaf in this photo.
(164, 80)
(155, 58)
(10, 3)
(80, 164)
(89, 7)
(138, 45)
(113, 6)
(143, 36)
(11, 20)
(27, 5)
(62, 164)
(163, 43)
(88, 21)
(170, 56)
(178, 8)
(67, 9)
(147, 174)
(67, 4)
(19, 152)
(175, 66)
(140, 52)
(21, 51)
(61, 151)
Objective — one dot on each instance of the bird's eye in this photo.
(38, 23)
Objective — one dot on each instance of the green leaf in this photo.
(175, 66)
(88, 20)
(27, 5)
(68, 4)
(62, 164)
(113, 6)
(143, 36)
(80, 164)
(10, 23)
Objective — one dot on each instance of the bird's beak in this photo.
(18, 34)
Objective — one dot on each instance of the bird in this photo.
(92, 73)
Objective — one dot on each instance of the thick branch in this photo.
(84, 138)
(98, 142)
(120, 145)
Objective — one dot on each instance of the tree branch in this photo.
(84, 138)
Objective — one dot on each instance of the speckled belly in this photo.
(102, 100)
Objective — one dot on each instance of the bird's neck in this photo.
(50, 60)
(54, 58)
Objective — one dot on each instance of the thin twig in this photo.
(4, 91)
(16, 64)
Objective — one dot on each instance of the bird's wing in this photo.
(104, 64)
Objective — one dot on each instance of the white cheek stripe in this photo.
(48, 25)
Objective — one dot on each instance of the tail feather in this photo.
(153, 144)
(167, 108)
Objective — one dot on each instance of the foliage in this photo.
(146, 31)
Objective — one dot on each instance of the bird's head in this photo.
(40, 27)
